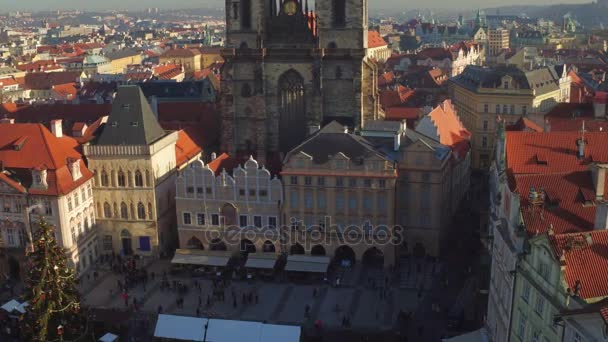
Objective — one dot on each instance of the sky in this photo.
(12, 5)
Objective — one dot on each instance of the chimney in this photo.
(580, 149)
(599, 105)
(56, 128)
(213, 156)
(397, 141)
(345, 129)
(154, 105)
(598, 173)
(313, 129)
(601, 216)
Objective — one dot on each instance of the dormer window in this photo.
(39, 177)
(74, 165)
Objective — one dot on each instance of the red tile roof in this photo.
(223, 162)
(374, 40)
(586, 262)
(525, 125)
(40, 149)
(185, 148)
(385, 79)
(570, 117)
(201, 120)
(564, 206)
(559, 149)
(66, 91)
(11, 182)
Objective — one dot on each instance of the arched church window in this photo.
(141, 211)
(107, 210)
(246, 90)
(139, 180)
(292, 108)
(245, 14)
(121, 179)
(104, 178)
(339, 13)
(124, 211)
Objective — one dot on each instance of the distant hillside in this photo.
(591, 15)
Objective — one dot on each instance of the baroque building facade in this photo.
(52, 184)
(224, 208)
(289, 70)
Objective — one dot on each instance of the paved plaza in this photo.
(277, 302)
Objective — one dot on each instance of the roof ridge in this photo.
(43, 132)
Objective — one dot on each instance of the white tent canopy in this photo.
(13, 305)
(221, 330)
(200, 257)
(109, 337)
(307, 263)
(180, 327)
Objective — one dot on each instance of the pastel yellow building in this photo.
(482, 95)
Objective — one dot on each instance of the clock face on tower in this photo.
(290, 7)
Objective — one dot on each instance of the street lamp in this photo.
(28, 212)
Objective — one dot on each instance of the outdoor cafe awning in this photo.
(109, 337)
(307, 263)
(180, 327)
(261, 260)
(200, 257)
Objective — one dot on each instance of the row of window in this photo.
(505, 109)
(244, 220)
(113, 211)
(15, 237)
(80, 197)
(13, 205)
(339, 182)
(122, 179)
(80, 228)
(242, 192)
(340, 201)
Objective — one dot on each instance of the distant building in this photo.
(189, 59)
(121, 59)
(482, 95)
(498, 40)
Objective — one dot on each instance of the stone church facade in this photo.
(289, 70)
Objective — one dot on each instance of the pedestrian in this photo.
(160, 309)
(256, 298)
(200, 300)
(234, 303)
(198, 312)
(95, 275)
(244, 298)
(208, 300)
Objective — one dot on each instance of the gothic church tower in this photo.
(290, 67)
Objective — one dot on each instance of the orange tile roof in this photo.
(385, 79)
(525, 124)
(67, 91)
(40, 149)
(374, 40)
(559, 149)
(586, 262)
(11, 182)
(7, 82)
(450, 129)
(185, 148)
(564, 207)
(223, 162)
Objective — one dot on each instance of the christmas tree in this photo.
(54, 308)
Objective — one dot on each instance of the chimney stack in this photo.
(213, 156)
(56, 128)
